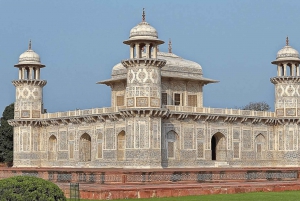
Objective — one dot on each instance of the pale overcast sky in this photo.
(80, 42)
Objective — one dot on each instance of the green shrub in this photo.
(26, 188)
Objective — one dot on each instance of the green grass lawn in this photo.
(260, 196)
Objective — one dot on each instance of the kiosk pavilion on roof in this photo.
(157, 118)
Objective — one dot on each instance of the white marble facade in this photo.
(157, 118)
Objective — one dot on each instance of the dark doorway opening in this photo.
(213, 148)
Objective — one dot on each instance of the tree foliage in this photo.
(21, 188)
(6, 135)
(257, 106)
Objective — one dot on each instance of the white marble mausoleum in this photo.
(157, 118)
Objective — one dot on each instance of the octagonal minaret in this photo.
(143, 68)
(287, 82)
(29, 86)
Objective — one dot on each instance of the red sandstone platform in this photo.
(108, 192)
(109, 184)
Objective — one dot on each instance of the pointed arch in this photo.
(85, 148)
(121, 140)
(172, 144)
(218, 147)
(52, 148)
(260, 146)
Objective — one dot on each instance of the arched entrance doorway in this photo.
(218, 147)
(85, 148)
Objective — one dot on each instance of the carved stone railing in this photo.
(220, 111)
(172, 108)
(75, 113)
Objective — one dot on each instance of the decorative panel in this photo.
(63, 140)
(36, 113)
(290, 111)
(247, 140)
(129, 136)
(154, 102)
(236, 134)
(289, 140)
(171, 150)
(155, 136)
(71, 150)
(110, 138)
(200, 149)
(271, 140)
(25, 114)
(120, 100)
(130, 102)
(279, 112)
(35, 141)
(280, 140)
(141, 102)
(99, 150)
(192, 100)
(188, 139)
(236, 150)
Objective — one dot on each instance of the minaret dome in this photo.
(29, 57)
(143, 37)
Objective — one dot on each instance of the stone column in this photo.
(23, 73)
(293, 69)
(137, 50)
(37, 71)
(30, 73)
(155, 51)
(20, 73)
(148, 53)
(284, 69)
(297, 70)
(278, 70)
(131, 51)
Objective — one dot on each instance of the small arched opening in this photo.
(260, 144)
(85, 148)
(172, 144)
(52, 148)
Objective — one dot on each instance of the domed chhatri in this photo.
(287, 53)
(29, 57)
(143, 31)
(287, 61)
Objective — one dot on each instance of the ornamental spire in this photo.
(287, 41)
(170, 45)
(143, 16)
(29, 46)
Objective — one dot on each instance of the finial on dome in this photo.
(170, 45)
(143, 16)
(287, 41)
(29, 46)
